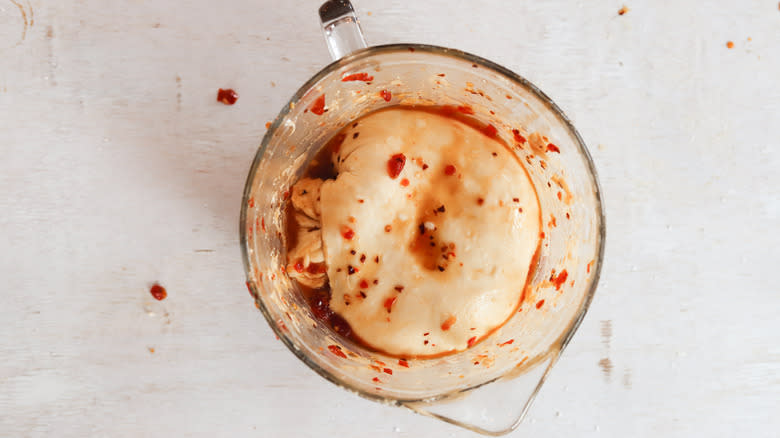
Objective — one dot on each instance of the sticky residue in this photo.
(606, 367)
(606, 333)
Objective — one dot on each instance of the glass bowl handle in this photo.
(496, 408)
(341, 28)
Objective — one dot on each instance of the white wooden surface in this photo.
(118, 169)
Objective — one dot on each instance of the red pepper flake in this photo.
(335, 349)
(449, 170)
(448, 323)
(465, 109)
(539, 304)
(360, 201)
(490, 131)
(471, 341)
(730, 44)
(403, 363)
(389, 304)
(399, 289)
(228, 97)
(388, 228)
(351, 270)
(357, 77)
(426, 333)
(249, 288)
(560, 279)
(388, 371)
(298, 266)
(386, 95)
(506, 343)
(552, 148)
(480, 201)
(560, 197)
(404, 182)
(376, 379)
(251, 202)
(622, 11)
(518, 138)
(395, 165)
(363, 284)
(376, 260)
(362, 258)
(441, 75)
(425, 342)
(262, 224)
(158, 292)
(286, 195)
(590, 263)
(424, 166)
(318, 107)
(375, 368)
(347, 233)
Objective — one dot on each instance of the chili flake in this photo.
(318, 107)
(540, 304)
(471, 341)
(386, 95)
(228, 96)
(347, 233)
(518, 138)
(389, 304)
(395, 165)
(448, 323)
(560, 279)
(403, 363)
(449, 170)
(357, 77)
(335, 349)
(158, 292)
(490, 131)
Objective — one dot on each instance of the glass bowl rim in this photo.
(369, 52)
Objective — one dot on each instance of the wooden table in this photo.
(119, 169)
